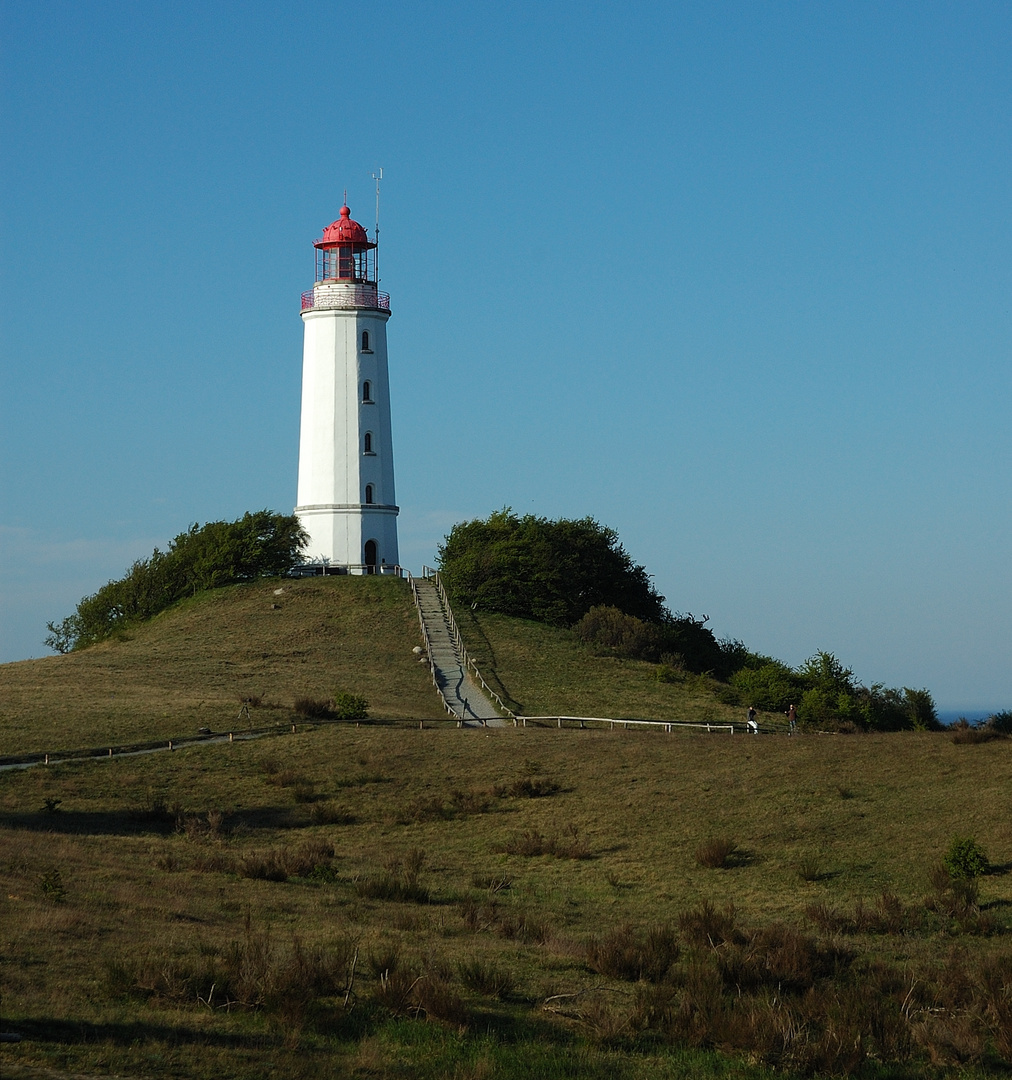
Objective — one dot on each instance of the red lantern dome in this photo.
(345, 233)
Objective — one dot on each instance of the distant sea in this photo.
(950, 716)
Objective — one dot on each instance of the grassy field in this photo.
(383, 901)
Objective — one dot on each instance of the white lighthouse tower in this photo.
(346, 465)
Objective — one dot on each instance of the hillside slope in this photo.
(546, 671)
(190, 666)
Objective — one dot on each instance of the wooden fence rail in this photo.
(668, 725)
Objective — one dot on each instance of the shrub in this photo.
(964, 733)
(771, 687)
(1001, 721)
(966, 858)
(780, 958)
(529, 787)
(611, 632)
(810, 870)
(349, 707)
(518, 925)
(828, 919)
(279, 864)
(250, 974)
(552, 571)
(491, 883)
(326, 813)
(436, 999)
(219, 553)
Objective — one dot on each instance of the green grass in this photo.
(196, 914)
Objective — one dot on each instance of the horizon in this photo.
(732, 282)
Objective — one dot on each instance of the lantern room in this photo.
(345, 253)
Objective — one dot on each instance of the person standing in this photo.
(753, 724)
(792, 719)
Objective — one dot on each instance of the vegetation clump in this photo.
(342, 706)
(257, 545)
(550, 571)
(716, 853)
(966, 858)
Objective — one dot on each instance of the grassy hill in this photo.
(190, 666)
(388, 901)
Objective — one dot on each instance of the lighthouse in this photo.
(346, 466)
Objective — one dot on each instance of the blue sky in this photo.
(732, 278)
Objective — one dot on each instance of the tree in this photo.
(260, 544)
(551, 571)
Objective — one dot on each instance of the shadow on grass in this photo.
(741, 858)
(50, 1029)
(143, 822)
(88, 822)
(506, 1026)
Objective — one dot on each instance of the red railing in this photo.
(350, 298)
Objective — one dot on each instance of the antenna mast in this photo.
(378, 177)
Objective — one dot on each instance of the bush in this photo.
(551, 571)
(771, 687)
(612, 632)
(1001, 721)
(707, 927)
(219, 553)
(349, 707)
(52, 887)
(966, 858)
(529, 787)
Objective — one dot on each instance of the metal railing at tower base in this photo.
(458, 642)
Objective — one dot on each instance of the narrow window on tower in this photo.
(368, 493)
(367, 392)
(367, 443)
(365, 341)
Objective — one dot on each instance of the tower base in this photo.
(356, 538)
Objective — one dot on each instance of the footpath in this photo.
(459, 691)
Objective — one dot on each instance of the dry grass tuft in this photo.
(625, 954)
(716, 853)
(532, 842)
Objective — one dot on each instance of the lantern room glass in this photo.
(344, 263)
